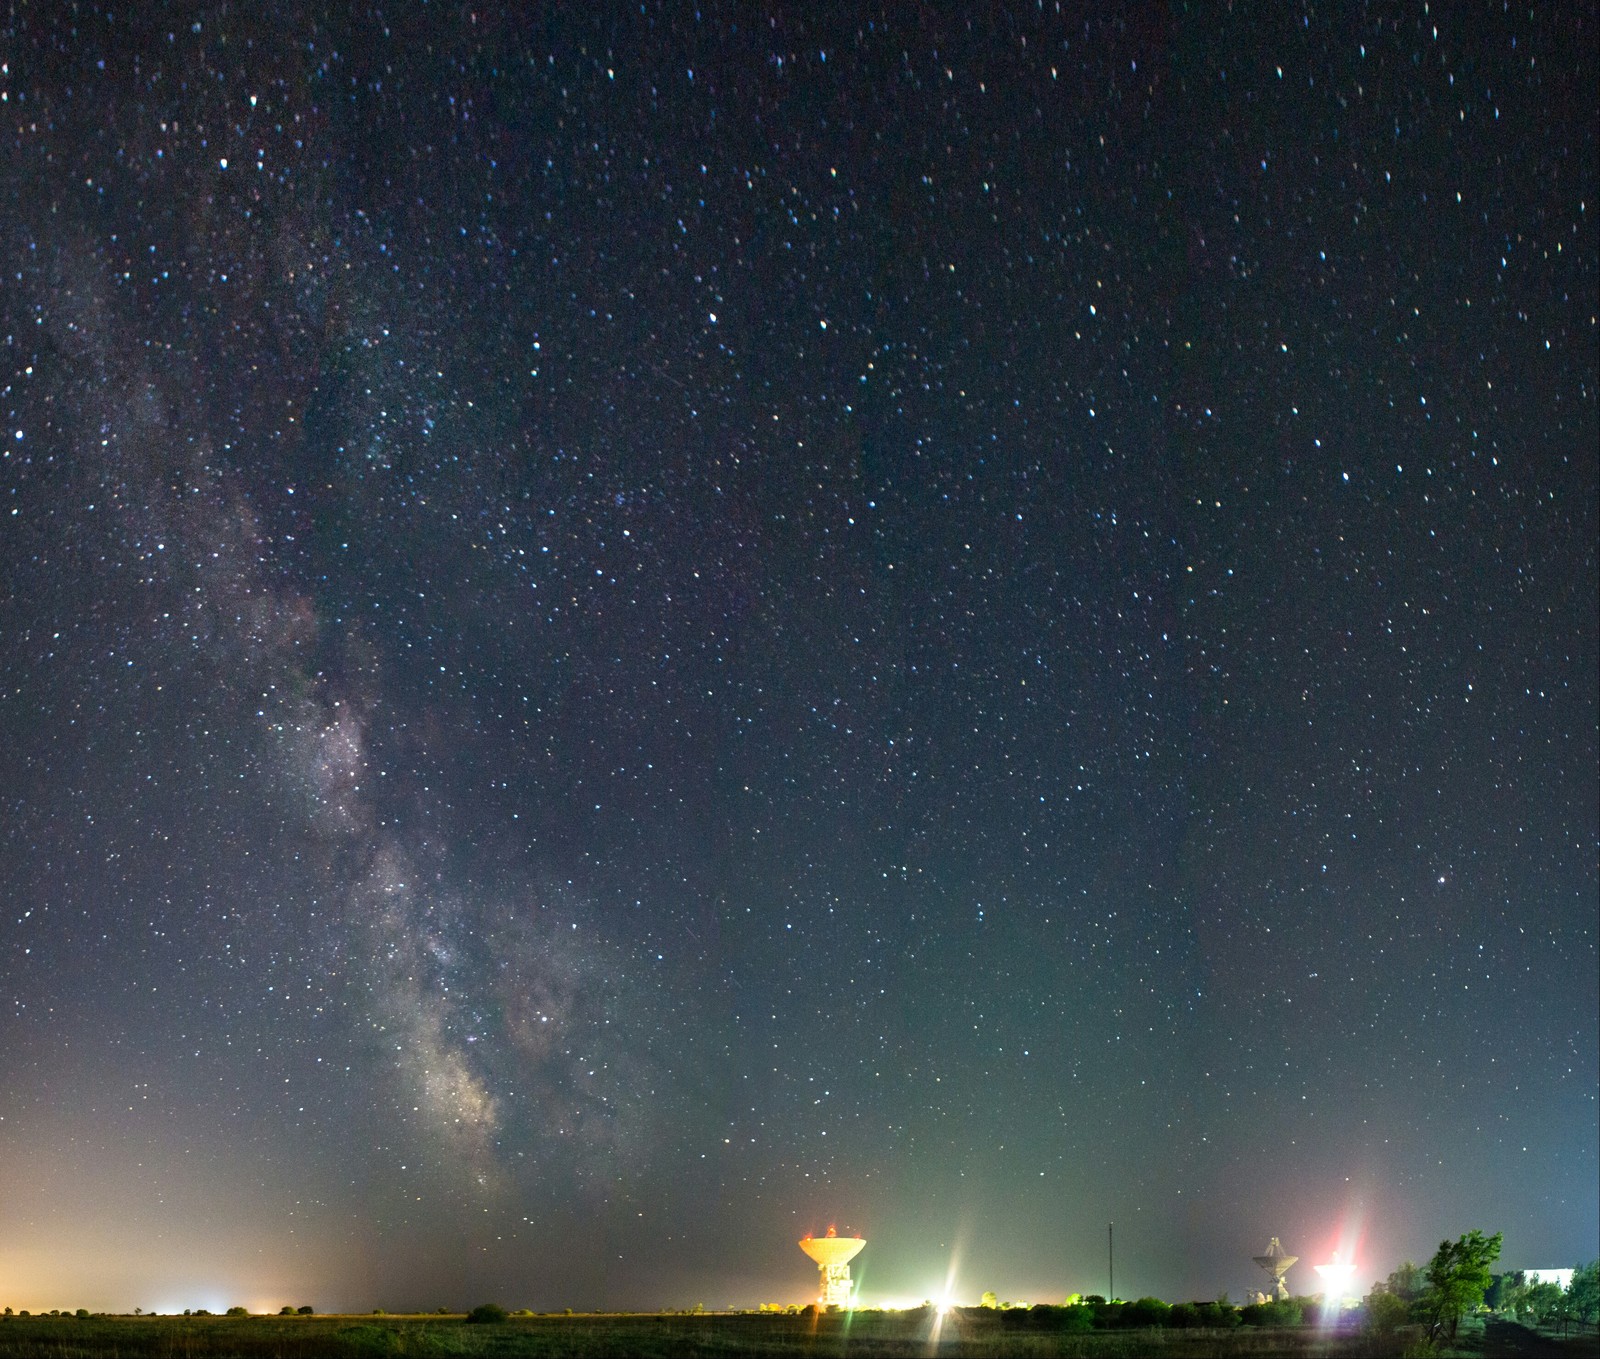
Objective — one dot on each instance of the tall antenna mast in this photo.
(1111, 1263)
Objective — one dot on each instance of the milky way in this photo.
(629, 633)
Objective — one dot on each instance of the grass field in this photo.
(964, 1334)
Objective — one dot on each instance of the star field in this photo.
(627, 633)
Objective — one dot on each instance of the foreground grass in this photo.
(965, 1334)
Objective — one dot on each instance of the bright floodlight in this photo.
(833, 1254)
(1276, 1262)
(1336, 1276)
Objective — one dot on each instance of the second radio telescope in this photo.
(1276, 1262)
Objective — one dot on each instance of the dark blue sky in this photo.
(630, 632)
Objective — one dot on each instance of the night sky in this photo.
(628, 631)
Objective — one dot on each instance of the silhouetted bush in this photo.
(238, 1311)
(1279, 1312)
(368, 1339)
(1044, 1316)
(486, 1314)
(1384, 1312)
(1107, 1315)
(303, 1312)
(1146, 1312)
(1206, 1315)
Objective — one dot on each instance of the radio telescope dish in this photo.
(833, 1254)
(1276, 1262)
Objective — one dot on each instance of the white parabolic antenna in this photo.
(1276, 1262)
(833, 1254)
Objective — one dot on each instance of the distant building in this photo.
(1561, 1278)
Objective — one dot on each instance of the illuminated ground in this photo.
(968, 1332)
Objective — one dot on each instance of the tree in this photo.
(1146, 1312)
(1407, 1282)
(487, 1314)
(1076, 1318)
(1561, 1315)
(1583, 1293)
(1543, 1300)
(1108, 1314)
(1458, 1277)
(989, 1299)
(1277, 1312)
(1506, 1292)
(1386, 1311)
